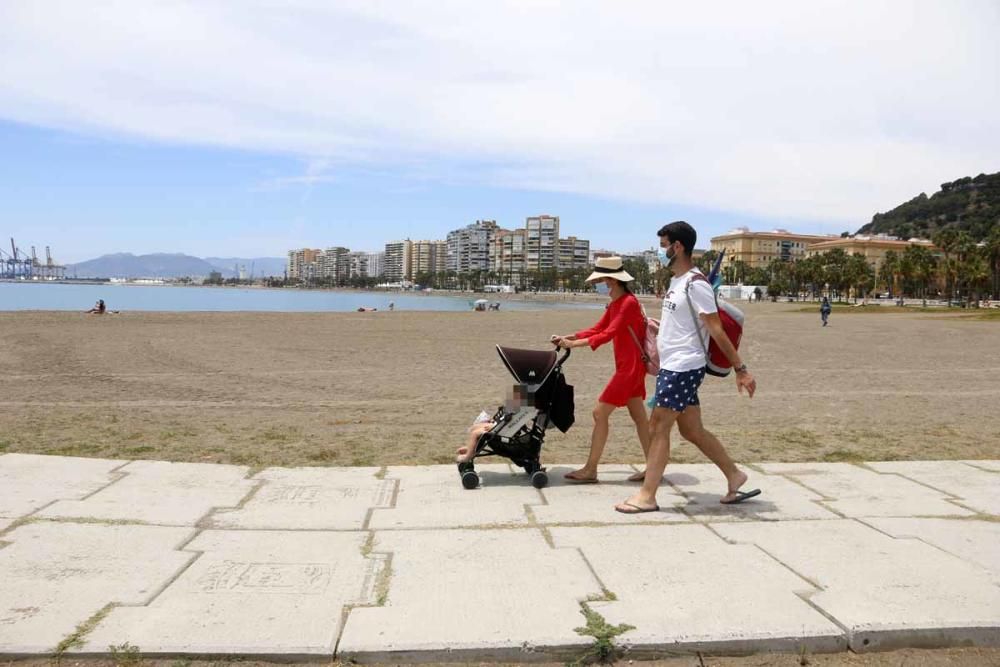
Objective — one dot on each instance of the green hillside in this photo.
(968, 204)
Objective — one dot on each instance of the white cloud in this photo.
(819, 110)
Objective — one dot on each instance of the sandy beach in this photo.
(402, 387)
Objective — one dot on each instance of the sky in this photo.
(248, 128)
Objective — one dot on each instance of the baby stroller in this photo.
(518, 434)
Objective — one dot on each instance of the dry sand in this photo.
(402, 387)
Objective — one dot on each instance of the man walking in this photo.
(682, 369)
(824, 310)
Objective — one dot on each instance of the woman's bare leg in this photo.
(598, 438)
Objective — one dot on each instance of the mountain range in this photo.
(173, 265)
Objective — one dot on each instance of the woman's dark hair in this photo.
(682, 232)
(624, 286)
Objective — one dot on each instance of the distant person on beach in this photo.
(683, 360)
(624, 324)
(392, 305)
(98, 309)
(824, 310)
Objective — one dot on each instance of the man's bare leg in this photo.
(660, 423)
(637, 410)
(598, 439)
(692, 430)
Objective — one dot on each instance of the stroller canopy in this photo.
(528, 366)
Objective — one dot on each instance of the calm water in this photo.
(42, 296)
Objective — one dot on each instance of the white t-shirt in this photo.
(678, 343)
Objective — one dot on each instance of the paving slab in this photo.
(975, 488)
(569, 503)
(161, 493)
(973, 541)
(309, 499)
(5, 523)
(433, 497)
(57, 575)
(686, 590)
(262, 594)
(29, 482)
(887, 593)
(993, 466)
(472, 595)
(854, 491)
(702, 485)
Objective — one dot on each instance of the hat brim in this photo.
(620, 275)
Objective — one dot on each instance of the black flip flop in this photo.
(637, 510)
(741, 496)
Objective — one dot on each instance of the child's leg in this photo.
(468, 452)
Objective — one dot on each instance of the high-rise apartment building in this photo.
(358, 264)
(397, 261)
(572, 253)
(376, 264)
(507, 254)
(303, 264)
(469, 247)
(542, 242)
(335, 263)
(428, 257)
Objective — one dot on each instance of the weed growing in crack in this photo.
(125, 655)
(604, 650)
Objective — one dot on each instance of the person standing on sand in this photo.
(682, 368)
(824, 310)
(624, 324)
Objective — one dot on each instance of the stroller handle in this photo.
(564, 357)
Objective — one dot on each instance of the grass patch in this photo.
(4, 444)
(81, 631)
(842, 456)
(797, 436)
(125, 655)
(141, 449)
(986, 315)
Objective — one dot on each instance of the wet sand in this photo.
(402, 387)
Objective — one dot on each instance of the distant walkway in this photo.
(403, 564)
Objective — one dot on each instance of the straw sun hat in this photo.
(609, 267)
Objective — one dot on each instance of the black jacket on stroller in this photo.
(519, 435)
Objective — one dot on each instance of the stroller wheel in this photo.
(470, 479)
(539, 479)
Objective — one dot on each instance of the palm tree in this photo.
(993, 257)
(890, 270)
(947, 240)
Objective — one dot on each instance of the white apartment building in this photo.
(376, 264)
(335, 263)
(469, 247)
(398, 265)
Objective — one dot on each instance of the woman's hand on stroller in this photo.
(566, 341)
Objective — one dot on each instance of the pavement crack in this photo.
(77, 637)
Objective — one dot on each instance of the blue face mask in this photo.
(665, 258)
(602, 288)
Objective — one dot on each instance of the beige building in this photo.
(304, 263)
(757, 249)
(872, 248)
(507, 253)
(572, 253)
(428, 257)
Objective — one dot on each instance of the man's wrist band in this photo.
(742, 368)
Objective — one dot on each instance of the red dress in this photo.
(629, 380)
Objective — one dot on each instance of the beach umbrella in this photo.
(715, 275)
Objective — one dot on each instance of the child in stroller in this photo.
(517, 430)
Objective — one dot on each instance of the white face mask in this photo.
(602, 288)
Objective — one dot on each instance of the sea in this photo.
(176, 298)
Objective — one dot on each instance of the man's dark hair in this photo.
(682, 232)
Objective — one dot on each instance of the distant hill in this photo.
(261, 266)
(968, 204)
(172, 265)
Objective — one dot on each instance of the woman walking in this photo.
(623, 323)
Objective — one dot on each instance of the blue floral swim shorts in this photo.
(678, 389)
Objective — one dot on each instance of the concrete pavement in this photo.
(403, 564)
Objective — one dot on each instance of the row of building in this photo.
(538, 246)
(758, 249)
(481, 246)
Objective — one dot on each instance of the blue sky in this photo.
(214, 128)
